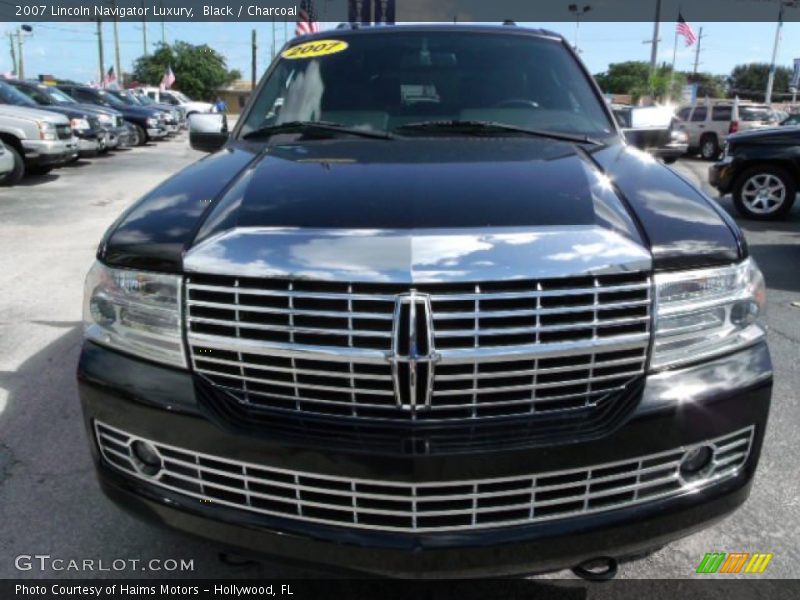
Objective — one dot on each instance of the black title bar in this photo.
(462, 11)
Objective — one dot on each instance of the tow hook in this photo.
(602, 568)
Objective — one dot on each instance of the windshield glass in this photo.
(383, 81)
(59, 96)
(34, 93)
(11, 95)
(144, 100)
(111, 99)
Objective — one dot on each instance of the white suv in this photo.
(709, 123)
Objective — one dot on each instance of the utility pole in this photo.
(13, 51)
(656, 32)
(144, 29)
(100, 51)
(117, 66)
(272, 54)
(697, 51)
(21, 70)
(254, 47)
(163, 26)
(771, 78)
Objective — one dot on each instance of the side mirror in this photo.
(208, 132)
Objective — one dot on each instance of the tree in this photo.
(623, 78)
(708, 85)
(634, 78)
(750, 80)
(199, 70)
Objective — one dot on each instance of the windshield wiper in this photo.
(494, 127)
(315, 127)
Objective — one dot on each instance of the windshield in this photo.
(58, 96)
(33, 93)
(384, 81)
(144, 100)
(111, 99)
(11, 95)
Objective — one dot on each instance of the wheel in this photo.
(709, 147)
(764, 192)
(18, 172)
(140, 137)
(671, 160)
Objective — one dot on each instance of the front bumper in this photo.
(45, 153)
(721, 175)
(161, 404)
(156, 133)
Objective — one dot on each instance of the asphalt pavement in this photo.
(50, 502)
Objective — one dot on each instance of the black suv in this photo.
(148, 123)
(426, 313)
(761, 169)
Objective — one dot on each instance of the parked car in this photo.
(177, 99)
(171, 116)
(6, 162)
(110, 120)
(91, 137)
(37, 140)
(793, 119)
(147, 122)
(761, 169)
(708, 123)
(424, 312)
(653, 129)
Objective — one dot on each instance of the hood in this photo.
(24, 112)
(770, 134)
(404, 200)
(68, 110)
(94, 109)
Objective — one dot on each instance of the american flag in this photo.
(306, 18)
(684, 29)
(109, 78)
(168, 79)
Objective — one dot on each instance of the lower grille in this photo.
(423, 507)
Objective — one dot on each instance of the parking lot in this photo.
(51, 504)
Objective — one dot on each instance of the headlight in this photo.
(107, 120)
(79, 124)
(135, 312)
(152, 121)
(47, 131)
(707, 312)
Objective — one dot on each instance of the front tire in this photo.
(141, 136)
(18, 172)
(709, 147)
(764, 193)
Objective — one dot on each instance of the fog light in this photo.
(696, 463)
(146, 458)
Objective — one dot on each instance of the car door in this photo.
(697, 125)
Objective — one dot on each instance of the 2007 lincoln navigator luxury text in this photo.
(424, 312)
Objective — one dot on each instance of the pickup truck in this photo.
(37, 140)
(148, 123)
(425, 312)
(85, 126)
(110, 120)
(176, 99)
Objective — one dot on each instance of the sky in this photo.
(69, 50)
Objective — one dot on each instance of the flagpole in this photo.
(674, 58)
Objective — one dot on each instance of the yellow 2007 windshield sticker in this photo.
(315, 48)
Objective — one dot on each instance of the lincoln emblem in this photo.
(412, 355)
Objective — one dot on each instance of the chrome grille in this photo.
(505, 348)
(424, 506)
(63, 132)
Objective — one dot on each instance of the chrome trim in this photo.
(410, 507)
(418, 256)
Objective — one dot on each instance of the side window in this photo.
(722, 113)
(683, 114)
(699, 113)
